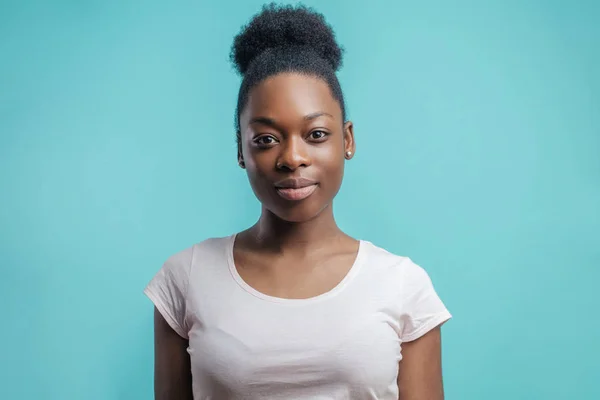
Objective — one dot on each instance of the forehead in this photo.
(288, 97)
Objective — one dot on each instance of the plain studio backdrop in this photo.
(478, 155)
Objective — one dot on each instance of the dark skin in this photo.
(292, 127)
(172, 369)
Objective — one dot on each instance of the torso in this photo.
(306, 340)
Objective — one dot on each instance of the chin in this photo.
(300, 213)
(295, 217)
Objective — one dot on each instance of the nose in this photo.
(293, 154)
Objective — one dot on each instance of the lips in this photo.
(296, 194)
(295, 189)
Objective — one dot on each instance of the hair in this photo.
(281, 39)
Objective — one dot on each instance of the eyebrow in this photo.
(271, 122)
(263, 121)
(312, 116)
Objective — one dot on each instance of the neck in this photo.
(283, 236)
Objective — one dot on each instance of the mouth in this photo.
(296, 194)
(295, 189)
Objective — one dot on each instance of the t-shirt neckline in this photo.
(352, 272)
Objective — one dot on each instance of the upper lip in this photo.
(294, 183)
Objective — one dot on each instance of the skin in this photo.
(420, 372)
(172, 369)
(292, 127)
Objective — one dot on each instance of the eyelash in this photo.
(259, 143)
(325, 134)
(258, 140)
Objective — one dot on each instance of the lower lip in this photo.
(296, 194)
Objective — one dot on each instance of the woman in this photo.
(293, 308)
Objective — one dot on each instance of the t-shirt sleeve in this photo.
(422, 309)
(168, 291)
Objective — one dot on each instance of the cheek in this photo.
(257, 162)
(260, 168)
(258, 174)
(329, 159)
(331, 166)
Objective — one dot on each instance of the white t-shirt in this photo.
(343, 344)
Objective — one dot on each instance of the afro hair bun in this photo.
(285, 26)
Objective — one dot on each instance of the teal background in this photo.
(478, 131)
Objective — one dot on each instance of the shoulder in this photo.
(384, 261)
(397, 275)
(183, 261)
(413, 299)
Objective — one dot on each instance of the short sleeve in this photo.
(422, 309)
(168, 291)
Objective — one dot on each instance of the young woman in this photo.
(293, 308)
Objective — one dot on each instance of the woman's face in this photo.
(293, 145)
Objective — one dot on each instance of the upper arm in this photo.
(420, 371)
(172, 369)
(168, 291)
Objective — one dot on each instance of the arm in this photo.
(420, 371)
(172, 369)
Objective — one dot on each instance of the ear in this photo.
(349, 143)
(240, 157)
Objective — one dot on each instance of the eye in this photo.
(265, 141)
(318, 135)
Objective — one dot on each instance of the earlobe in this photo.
(349, 144)
(240, 158)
